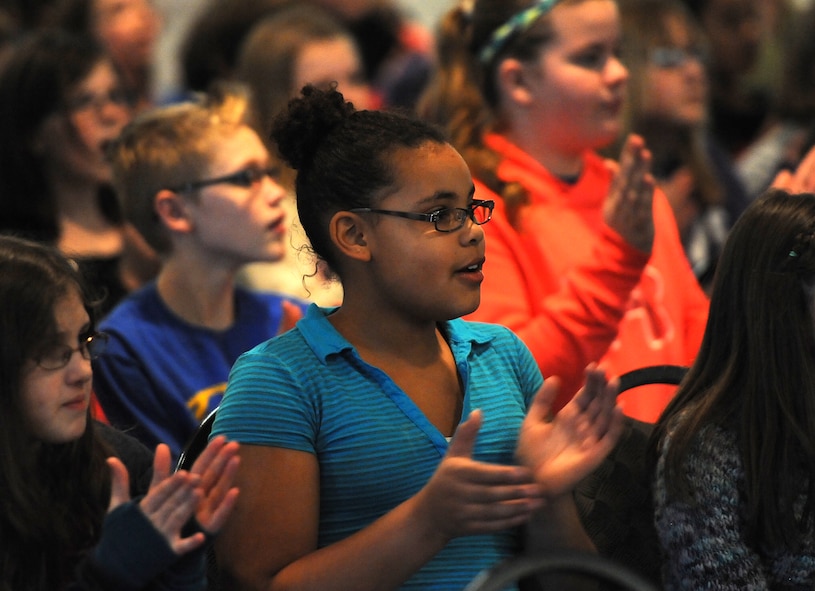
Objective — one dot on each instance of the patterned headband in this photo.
(517, 23)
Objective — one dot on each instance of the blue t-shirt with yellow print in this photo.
(160, 376)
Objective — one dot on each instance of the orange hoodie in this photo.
(575, 292)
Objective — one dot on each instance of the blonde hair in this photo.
(169, 146)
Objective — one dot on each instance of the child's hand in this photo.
(468, 497)
(169, 503)
(562, 449)
(628, 206)
(801, 180)
(216, 467)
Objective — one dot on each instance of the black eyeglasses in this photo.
(58, 356)
(243, 178)
(449, 219)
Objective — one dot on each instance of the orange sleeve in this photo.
(695, 303)
(569, 321)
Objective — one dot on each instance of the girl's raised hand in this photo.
(628, 208)
(169, 503)
(800, 180)
(465, 497)
(216, 467)
(562, 449)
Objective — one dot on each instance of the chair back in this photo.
(186, 459)
(197, 443)
(614, 501)
(595, 566)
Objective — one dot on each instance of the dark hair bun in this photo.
(301, 128)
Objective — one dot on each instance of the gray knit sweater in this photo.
(704, 542)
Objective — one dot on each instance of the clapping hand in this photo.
(216, 468)
(628, 208)
(466, 496)
(562, 449)
(205, 492)
(800, 180)
(169, 503)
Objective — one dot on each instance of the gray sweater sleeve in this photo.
(703, 539)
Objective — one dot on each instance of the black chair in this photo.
(614, 502)
(197, 443)
(579, 563)
(653, 374)
(186, 459)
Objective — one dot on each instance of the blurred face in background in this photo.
(333, 60)
(734, 30)
(129, 30)
(675, 85)
(73, 140)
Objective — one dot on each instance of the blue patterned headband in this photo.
(517, 23)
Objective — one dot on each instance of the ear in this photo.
(514, 81)
(348, 232)
(171, 209)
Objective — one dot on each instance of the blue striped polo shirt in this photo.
(309, 390)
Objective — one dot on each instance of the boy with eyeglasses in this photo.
(197, 181)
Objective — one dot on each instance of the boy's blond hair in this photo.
(169, 146)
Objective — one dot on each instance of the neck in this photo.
(199, 294)
(561, 161)
(385, 332)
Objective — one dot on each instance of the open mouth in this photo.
(473, 268)
(277, 225)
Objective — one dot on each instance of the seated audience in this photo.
(584, 260)
(396, 49)
(387, 443)
(682, 173)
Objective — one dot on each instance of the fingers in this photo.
(174, 491)
(464, 438)
(468, 497)
(183, 545)
(805, 173)
(628, 209)
(218, 517)
(119, 483)
(783, 180)
(169, 506)
(541, 408)
(802, 179)
(219, 495)
(593, 386)
(161, 464)
(210, 462)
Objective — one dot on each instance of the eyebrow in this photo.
(445, 196)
